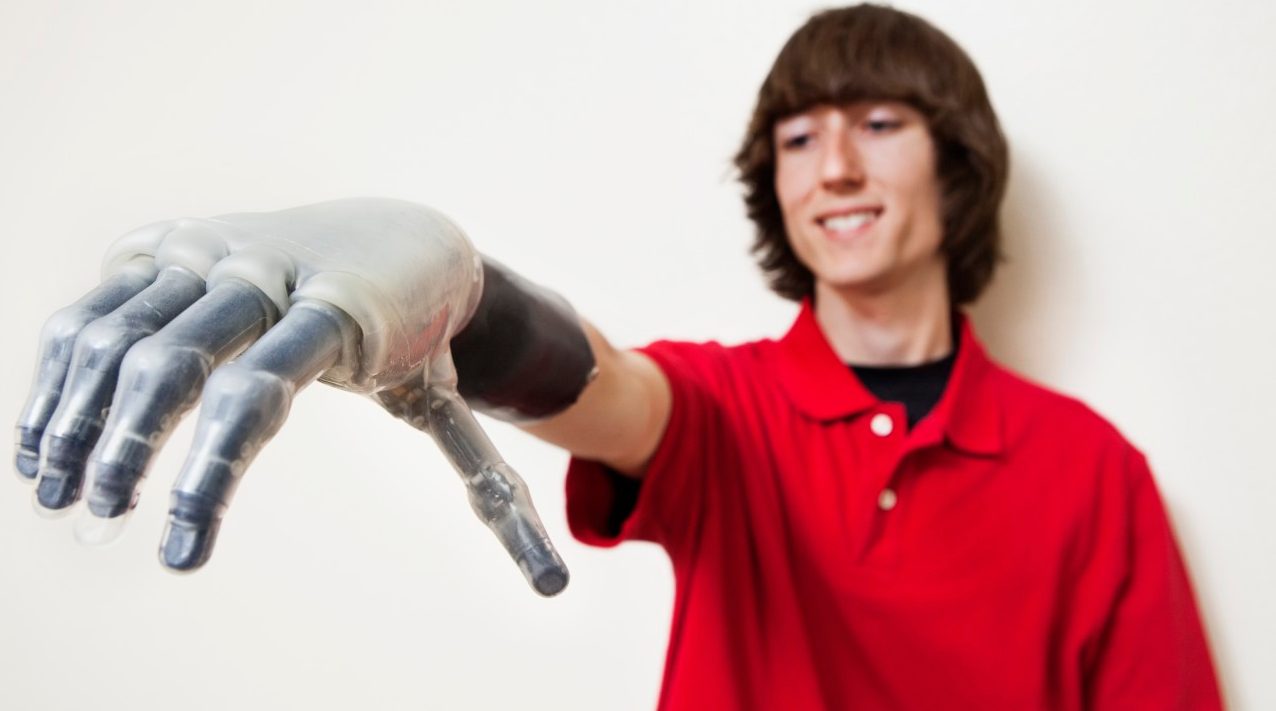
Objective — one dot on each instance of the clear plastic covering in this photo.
(247, 309)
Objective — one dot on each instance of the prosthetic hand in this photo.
(365, 294)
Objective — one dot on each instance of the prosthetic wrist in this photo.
(523, 354)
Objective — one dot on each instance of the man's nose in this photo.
(841, 165)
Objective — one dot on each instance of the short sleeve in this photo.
(1153, 651)
(667, 505)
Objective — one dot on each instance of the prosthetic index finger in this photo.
(245, 403)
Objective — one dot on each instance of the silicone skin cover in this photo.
(408, 277)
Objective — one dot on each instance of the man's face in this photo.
(858, 188)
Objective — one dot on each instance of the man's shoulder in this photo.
(1032, 407)
(1068, 446)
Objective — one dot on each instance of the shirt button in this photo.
(881, 424)
(887, 499)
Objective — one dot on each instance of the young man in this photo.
(867, 513)
(870, 512)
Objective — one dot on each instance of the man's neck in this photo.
(894, 327)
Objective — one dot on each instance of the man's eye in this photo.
(882, 125)
(797, 142)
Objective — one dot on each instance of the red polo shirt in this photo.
(1009, 552)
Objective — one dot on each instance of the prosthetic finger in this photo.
(57, 341)
(159, 382)
(497, 493)
(90, 381)
(245, 403)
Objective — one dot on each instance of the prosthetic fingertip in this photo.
(550, 582)
(113, 487)
(55, 492)
(107, 506)
(544, 569)
(27, 463)
(186, 547)
(94, 530)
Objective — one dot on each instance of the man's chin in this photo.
(856, 283)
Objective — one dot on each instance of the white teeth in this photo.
(847, 223)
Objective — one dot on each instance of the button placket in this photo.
(880, 433)
(882, 424)
(892, 446)
(885, 430)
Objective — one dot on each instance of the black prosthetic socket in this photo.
(524, 352)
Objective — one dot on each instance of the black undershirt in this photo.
(918, 387)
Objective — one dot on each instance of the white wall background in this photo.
(587, 145)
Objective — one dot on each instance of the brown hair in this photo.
(878, 53)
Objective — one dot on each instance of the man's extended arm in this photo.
(370, 295)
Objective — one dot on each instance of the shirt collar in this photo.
(821, 386)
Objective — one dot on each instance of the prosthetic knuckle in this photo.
(103, 343)
(254, 397)
(267, 268)
(493, 496)
(154, 362)
(385, 353)
(193, 244)
(62, 329)
(135, 251)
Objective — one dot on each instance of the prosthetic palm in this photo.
(365, 294)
